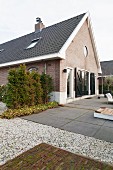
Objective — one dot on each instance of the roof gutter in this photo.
(38, 58)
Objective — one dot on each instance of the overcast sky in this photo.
(17, 18)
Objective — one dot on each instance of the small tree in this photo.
(27, 88)
(47, 86)
(16, 93)
(30, 90)
(108, 81)
(38, 91)
(23, 88)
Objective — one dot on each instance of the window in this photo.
(33, 43)
(32, 69)
(82, 83)
(85, 51)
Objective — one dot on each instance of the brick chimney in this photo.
(39, 25)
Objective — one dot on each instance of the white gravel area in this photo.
(18, 135)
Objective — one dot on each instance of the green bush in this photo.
(16, 88)
(105, 89)
(47, 86)
(22, 88)
(38, 90)
(11, 113)
(2, 92)
(26, 88)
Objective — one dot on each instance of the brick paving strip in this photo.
(47, 157)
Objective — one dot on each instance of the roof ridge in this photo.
(66, 19)
(43, 28)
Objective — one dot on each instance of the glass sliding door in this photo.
(86, 83)
(81, 83)
(78, 83)
(92, 83)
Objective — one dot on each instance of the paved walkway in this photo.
(47, 157)
(78, 117)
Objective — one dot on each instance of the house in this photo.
(107, 68)
(66, 51)
(107, 71)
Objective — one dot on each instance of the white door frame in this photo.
(71, 83)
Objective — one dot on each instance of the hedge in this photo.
(26, 88)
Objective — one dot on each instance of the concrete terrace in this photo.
(78, 117)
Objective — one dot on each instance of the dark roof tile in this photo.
(107, 67)
(53, 38)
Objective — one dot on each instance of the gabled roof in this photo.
(53, 42)
(107, 67)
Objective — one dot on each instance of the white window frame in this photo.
(71, 83)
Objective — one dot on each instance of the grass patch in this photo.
(12, 113)
(47, 157)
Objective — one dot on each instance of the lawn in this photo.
(47, 157)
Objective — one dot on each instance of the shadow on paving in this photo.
(47, 157)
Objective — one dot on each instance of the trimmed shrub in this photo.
(23, 88)
(38, 91)
(16, 94)
(26, 88)
(47, 86)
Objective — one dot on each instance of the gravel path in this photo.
(18, 135)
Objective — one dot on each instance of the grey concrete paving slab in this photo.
(89, 118)
(105, 133)
(108, 123)
(51, 111)
(62, 112)
(78, 117)
(69, 113)
(48, 120)
(92, 102)
(81, 106)
(81, 128)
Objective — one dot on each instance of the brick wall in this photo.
(52, 68)
(75, 55)
(3, 75)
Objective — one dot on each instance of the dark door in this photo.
(92, 83)
(78, 83)
(81, 83)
